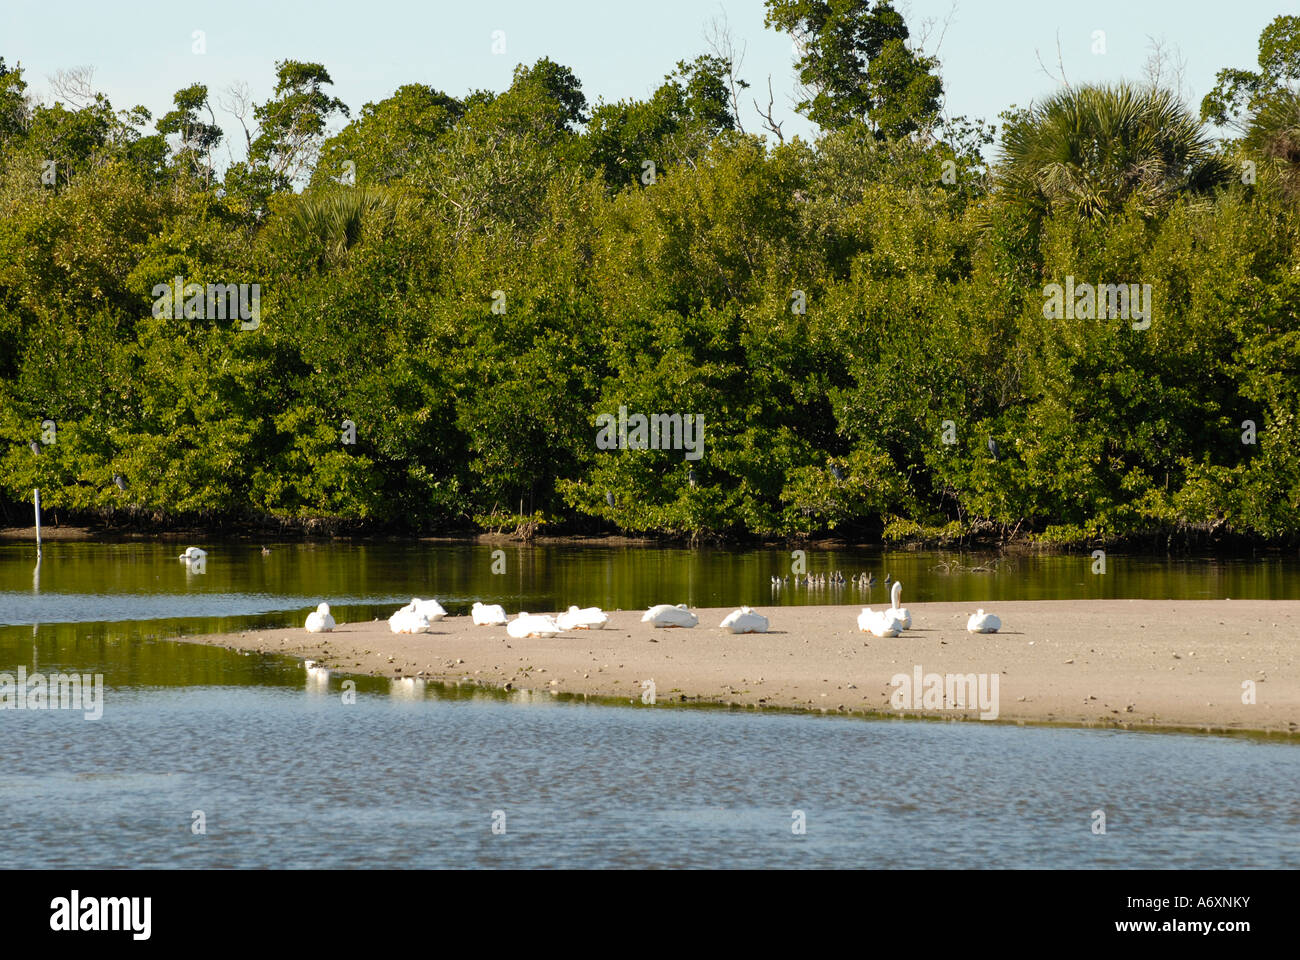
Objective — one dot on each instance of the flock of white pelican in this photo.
(418, 615)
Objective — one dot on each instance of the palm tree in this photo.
(1094, 149)
(335, 216)
(1274, 135)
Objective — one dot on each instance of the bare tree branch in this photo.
(769, 123)
(1165, 65)
(74, 85)
(238, 102)
(722, 43)
(1060, 64)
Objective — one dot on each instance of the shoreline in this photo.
(1155, 665)
(1023, 545)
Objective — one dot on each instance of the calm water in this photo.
(142, 589)
(287, 775)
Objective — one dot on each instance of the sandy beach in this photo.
(1141, 664)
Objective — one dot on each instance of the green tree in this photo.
(1094, 149)
(856, 65)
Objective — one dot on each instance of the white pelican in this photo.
(900, 615)
(430, 609)
(869, 621)
(981, 622)
(320, 621)
(745, 620)
(666, 615)
(489, 616)
(407, 620)
(532, 625)
(588, 618)
(193, 553)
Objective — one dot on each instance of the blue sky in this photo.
(989, 52)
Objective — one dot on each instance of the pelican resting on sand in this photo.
(588, 618)
(409, 619)
(900, 615)
(745, 620)
(667, 615)
(319, 620)
(532, 625)
(981, 622)
(877, 624)
(489, 615)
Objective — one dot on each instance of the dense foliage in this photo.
(464, 284)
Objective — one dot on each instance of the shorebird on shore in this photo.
(981, 622)
(489, 615)
(586, 618)
(901, 616)
(667, 615)
(319, 620)
(869, 621)
(745, 620)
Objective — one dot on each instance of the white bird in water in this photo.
(745, 620)
(193, 553)
(532, 625)
(667, 615)
(588, 618)
(981, 622)
(877, 624)
(319, 620)
(900, 615)
(489, 615)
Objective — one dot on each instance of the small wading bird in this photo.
(319, 620)
(993, 447)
